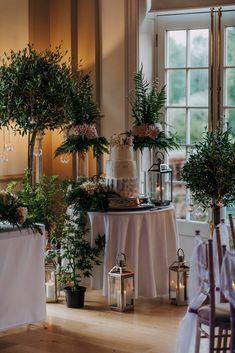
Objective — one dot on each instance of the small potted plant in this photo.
(209, 172)
(77, 258)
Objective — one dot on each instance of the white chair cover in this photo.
(228, 276)
(198, 289)
(224, 239)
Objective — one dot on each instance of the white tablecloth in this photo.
(22, 278)
(149, 240)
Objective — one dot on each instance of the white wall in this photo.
(147, 40)
(112, 67)
(14, 35)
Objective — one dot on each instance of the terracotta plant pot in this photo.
(75, 298)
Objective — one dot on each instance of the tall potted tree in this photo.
(35, 92)
(209, 172)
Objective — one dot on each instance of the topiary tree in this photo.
(209, 172)
(35, 92)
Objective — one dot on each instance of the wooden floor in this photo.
(151, 328)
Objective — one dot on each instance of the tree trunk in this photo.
(216, 215)
(31, 144)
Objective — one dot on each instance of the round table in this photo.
(149, 240)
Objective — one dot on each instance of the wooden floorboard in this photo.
(151, 328)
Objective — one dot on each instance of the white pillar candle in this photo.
(50, 289)
(181, 292)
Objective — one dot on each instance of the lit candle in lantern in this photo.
(50, 289)
(181, 292)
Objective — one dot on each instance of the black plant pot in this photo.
(75, 298)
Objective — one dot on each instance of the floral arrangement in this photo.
(81, 130)
(88, 194)
(121, 140)
(81, 134)
(144, 130)
(147, 102)
(11, 209)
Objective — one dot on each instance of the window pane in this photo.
(176, 123)
(198, 124)
(176, 53)
(176, 87)
(198, 92)
(230, 91)
(230, 119)
(176, 160)
(179, 200)
(230, 46)
(198, 47)
(198, 213)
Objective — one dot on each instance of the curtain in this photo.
(198, 289)
(167, 5)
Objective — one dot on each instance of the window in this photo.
(189, 69)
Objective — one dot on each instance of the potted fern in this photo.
(147, 102)
(81, 134)
(209, 172)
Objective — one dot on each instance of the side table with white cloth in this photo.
(22, 277)
(149, 240)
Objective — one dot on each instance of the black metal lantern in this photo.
(178, 280)
(160, 182)
(121, 290)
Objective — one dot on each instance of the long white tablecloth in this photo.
(22, 278)
(149, 240)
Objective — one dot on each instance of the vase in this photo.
(75, 298)
(81, 165)
(144, 160)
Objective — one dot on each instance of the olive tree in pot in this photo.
(77, 258)
(209, 172)
(35, 93)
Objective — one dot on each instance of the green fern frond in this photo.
(145, 100)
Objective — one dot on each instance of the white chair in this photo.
(210, 321)
(214, 318)
(228, 288)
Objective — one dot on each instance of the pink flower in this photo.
(144, 130)
(88, 130)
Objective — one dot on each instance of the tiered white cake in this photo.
(121, 174)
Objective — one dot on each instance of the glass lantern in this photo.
(51, 283)
(178, 280)
(160, 183)
(121, 290)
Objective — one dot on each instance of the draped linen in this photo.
(228, 276)
(149, 240)
(224, 239)
(198, 289)
(22, 278)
